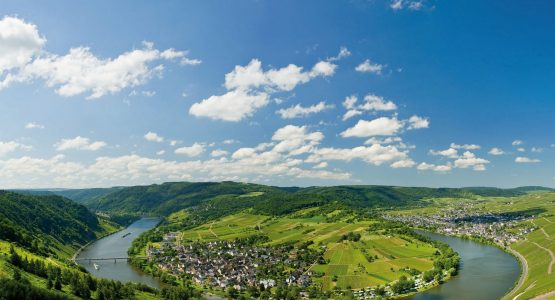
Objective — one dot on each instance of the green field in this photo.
(347, 265)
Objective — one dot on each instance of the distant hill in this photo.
(47, 222)
(82, 195)
(225, 197)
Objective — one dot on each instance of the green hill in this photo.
(45, 224)
(220, 198)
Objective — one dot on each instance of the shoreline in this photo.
(519, 257)
(74, 257)
(523, 274)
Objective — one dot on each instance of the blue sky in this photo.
(403, 92)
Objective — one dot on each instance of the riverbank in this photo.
(523, 275)
(108, 233)
(487, 272)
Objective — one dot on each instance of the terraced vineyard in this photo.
(375, 258)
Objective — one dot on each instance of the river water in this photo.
(116, 245)
(486, 272)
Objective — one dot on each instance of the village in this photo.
(463, 220)
(235, 263)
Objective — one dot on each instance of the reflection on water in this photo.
(116, 245)
(486, 272)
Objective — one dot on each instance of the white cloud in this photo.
(413, 5)
(450, 153)
(465, 146)
(416, 122)
(249, 88)
(375, 154)
(298, 111)
(321, 165)
(218, 153)
(295, 140)
(230, 141)
(469, 160)
(406, 163)
(80, 71)
(232, 106)
(161, 152)
(79, 143)
(382, 126)
(284, 79)
(432, 167)
(520, 149)
(11, 146)
(343, 52)
(351, 113)
(20, 41)
(496, 151)
(194, 150)
(153, 137)
(33, 125)
(372, 102)
(517, 143)
(526, 160)
(369, 67)
(375, 102)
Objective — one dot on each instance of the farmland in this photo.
(375, 259)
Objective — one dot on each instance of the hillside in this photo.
(221, 198)
(45, 224)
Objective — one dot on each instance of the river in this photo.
(116, 245)
(486, 272)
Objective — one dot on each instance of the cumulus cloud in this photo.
(232, 106)
(153, 137)
(194, 150)
(299, 111)
(79, 71)
(416, 122)
(218, 153)
(432, 167)
(469, 160)
(20, 41)
(496, 151)
(413, 5)
(11, 146)
(343, 52)
(33, 125)
(526, 160)
(371, 102)
(450, 153)
(465, 146)
(517, 142)
(369, 67)
(375, 154)
(382, 126)
(249, 88)
(79, 143)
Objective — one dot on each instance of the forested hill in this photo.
(45, 223)
(225, 197)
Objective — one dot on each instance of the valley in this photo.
(238, 240)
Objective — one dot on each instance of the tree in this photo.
(16, 275)
(15, 259)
